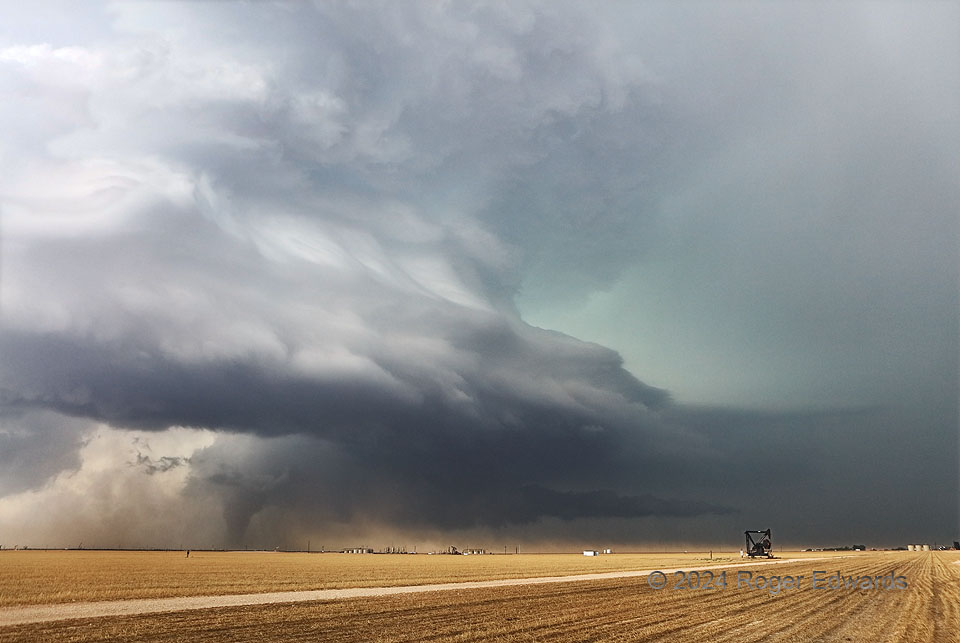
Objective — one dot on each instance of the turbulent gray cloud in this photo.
(35, 446)
(161, 464)
(306, 228)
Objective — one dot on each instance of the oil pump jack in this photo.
(762, 545)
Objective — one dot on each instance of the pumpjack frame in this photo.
(760, 546)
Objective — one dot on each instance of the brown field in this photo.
(39, 577)
(609, 610)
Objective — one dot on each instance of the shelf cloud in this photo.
(276, 270)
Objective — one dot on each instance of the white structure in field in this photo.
(608, 551)
(590, 552)
(918, 547)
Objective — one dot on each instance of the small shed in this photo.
(590, 552)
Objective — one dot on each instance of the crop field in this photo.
(624, 609)
(38, 577)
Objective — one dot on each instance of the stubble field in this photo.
(624, 609)
(38, 577)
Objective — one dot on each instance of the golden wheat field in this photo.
(626, 609)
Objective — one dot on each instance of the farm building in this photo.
(590, 552)
(476, 551)
(358, 550)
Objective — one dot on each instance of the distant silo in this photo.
(926, 548)
(911, 547)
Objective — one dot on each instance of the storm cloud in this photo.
(307, 265)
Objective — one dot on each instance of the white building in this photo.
(590, 552)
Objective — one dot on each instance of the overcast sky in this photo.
(550, 273)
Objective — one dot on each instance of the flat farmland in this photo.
(626, 609)
(41, 577)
